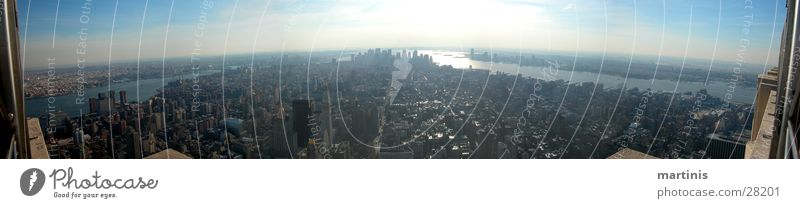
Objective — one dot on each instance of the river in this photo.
(147, 88)
(717, 89)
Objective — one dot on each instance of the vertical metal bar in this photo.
(786, 63)
(788, 134)
(14, 92)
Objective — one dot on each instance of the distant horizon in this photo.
(234, 27)
(609, 56)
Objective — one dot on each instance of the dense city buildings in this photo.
(380, 104)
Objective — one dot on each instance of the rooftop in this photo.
(36, 139)
(628, 153)
(168, 154)
(758, 147)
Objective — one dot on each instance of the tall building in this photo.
(77, 136)
(159, 120)
(283, 140)
(103, 103)
(93, 105)
(113, 96)
(134, 144)
(123, 97)
(302, 115)
(783, 140)
(763, 116)
(149, 145)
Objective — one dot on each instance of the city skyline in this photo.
(392, 79)
(565, 27)
(360, 90)
(391, 104)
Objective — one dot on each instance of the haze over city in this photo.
(398, 79)
(552, 26)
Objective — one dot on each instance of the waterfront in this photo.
(718, 89)
(150, 87)
(67, 103)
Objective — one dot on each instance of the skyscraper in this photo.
(123, 97)
(93, 105)
(302, 114)
(102, 103)
(113, 96)
(134, 144)
(283, 141)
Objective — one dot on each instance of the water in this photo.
(66, 103)
(718, 89)
(149, 87)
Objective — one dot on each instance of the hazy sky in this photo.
(567, 26)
